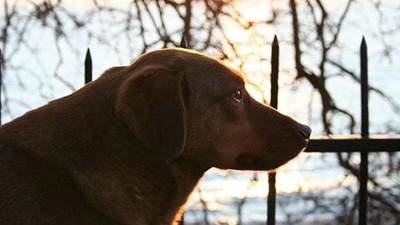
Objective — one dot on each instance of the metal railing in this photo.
(329, 144)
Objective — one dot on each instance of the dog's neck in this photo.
(155, 197)
(102, 157)
(159, 190)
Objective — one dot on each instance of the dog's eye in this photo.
(238, 95)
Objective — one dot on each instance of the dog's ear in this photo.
(150, 102)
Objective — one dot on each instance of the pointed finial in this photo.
(363, 49)
(275, 41)
(88, 56)
(184, 43)
(363, 42)
(88, 66)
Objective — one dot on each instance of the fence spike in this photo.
(363, 176)
(364, 88)
(275, 41)
(271, 202)
(1, 84)
(274, 72)
(88, 67)
(184, 43)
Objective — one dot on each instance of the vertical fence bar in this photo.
(1, 83)
(88, 67)
(363, 201)
(184, 44)
(271, 204)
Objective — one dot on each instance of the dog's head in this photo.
(185, 105)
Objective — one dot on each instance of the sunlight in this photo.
(297, 175)
(255, 92)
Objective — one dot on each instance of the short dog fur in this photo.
(129, 147)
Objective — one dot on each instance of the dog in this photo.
(129, 147)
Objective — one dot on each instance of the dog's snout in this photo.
(305, 131)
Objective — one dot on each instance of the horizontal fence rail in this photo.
(338, 144)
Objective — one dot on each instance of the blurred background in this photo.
(44, 44)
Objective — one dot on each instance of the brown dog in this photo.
(130, 147)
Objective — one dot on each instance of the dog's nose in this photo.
(305, 131)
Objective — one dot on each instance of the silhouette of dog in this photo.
(129, 147)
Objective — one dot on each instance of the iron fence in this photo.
(329, 144)
(364, 144)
